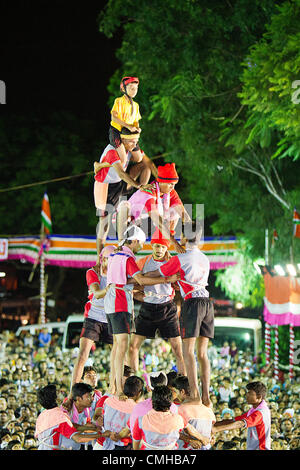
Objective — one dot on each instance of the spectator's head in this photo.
(47, 396)
(286, 425)
(256, 392)
(5, 437)
(227, 413)
(243, 443)
(3, 404)
(133, 387)
(14, 445)
(12, 401)
(229, 445)
(276, 444)
(237, 411)
(219, 444)
(295, 443)
(162, 398)
(3, 418)
(29, 441)
(90, 376)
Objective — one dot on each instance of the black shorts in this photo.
(120, 322)
(197, 318)
(115, 191)
(96, 331)
(162, 317)
(115, 138)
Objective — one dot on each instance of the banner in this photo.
(80, 251)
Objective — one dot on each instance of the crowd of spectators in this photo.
(28, 363)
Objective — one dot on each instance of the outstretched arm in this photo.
(228, 424)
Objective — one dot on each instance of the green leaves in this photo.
(269, 74)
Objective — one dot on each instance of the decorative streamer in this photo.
(291, 355)
(267, 342)
(276, 355)
(42, 288)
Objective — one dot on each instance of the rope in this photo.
(63, 178)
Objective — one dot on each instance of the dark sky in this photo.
(53, 57)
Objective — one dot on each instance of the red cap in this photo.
(126, 80)
(167, 173)
(158, 238)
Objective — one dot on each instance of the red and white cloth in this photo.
(119, 297)
(193, 266)
(109, 174)
(258, 421)
(94, 308)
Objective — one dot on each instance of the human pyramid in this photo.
(126, 420)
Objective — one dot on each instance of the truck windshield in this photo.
(243, 337)
(73, 334)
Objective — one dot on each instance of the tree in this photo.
(271, 83)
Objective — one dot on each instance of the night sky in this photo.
(53, 57)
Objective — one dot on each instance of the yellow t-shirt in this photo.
(123, 108)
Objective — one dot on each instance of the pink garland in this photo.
(291, 354)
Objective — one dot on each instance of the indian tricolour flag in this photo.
(296, 220)
(46, 214)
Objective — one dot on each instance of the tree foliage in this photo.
(271, 83)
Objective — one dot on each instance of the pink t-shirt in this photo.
(142, 409)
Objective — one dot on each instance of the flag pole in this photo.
(38, 256)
